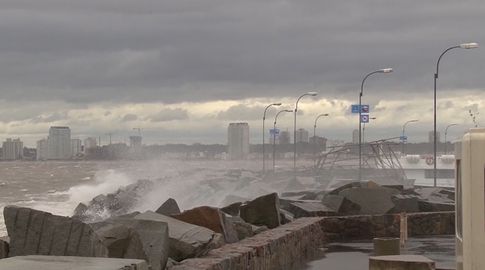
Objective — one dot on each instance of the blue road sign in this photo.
(365, 109)
(355, 108)
(403, 138)
(274, 132)
(364, 118)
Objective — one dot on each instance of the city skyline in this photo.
(183, 71)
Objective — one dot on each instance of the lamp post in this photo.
(404, 134)
(315, 137)
(274, 135)
(461, 46)
(384, 70)
(294, 127)
(446, 133)
(264, 131)
(363, 129)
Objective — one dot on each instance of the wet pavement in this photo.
(355, 255)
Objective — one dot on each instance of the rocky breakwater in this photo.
(105, 228)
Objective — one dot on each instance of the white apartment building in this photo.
(89, 143)
(76, 147)
(59, 143)
(42, 149)
(302, 135)
(238, 140)
(12, 149)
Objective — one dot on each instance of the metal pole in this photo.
(264, 118)
(294, 128)
(404, 134)
(274, 135)
(315, 139)
(434, 114)
(446, 133)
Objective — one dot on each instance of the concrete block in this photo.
(71, 263)
(4, 247)
(401, 262)
(262, 211)
(169, 207)
(34, 232)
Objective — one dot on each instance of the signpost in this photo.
(364, 118)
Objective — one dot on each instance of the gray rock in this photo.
(71, 263)
(242, 228)
(262, 211)
(186, 240)
(405, 203)
(4, 247)
(340, 205)
(136, 239)
(169, 207)
(372, 201)
(286, 216)
(310, 209)
(232, 209)
(35, 232)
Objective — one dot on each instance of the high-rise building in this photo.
(89, 143)
(12, 149)
(238, 140)
(355, 136)
(319, 142)
(284, 137)
(431, 136)
(76, 146)
(42, 149)
(301, 135)
(59, 143)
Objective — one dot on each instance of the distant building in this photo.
(301, 135)
(41, 149)
(12, 149)
(321, 142)
(135, 142)
(90, 143)
(284, 137)
(431, 137)
(355, 136)
(238, 140)
(76, 147)
(59, 143)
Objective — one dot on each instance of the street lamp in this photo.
(264, 131)
(294, 127)
(274, 135)
(446, 133)
(363, 129)
(472, 45)
(315, 137)
(404, 134)
(384, 70)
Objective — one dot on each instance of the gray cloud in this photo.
(172, 51)
(166, 115)
(129, 117)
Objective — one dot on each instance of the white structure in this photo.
(238, 140)
(12, 149)
(89, 143)
(302, 135)
(59, 143)
(470, 201)
(42, 149)
(76, 147)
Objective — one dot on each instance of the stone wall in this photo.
(285, 247)
(349, 228)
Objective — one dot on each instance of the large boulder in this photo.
(310, 209)
(232, 209)
(372, 201)
(405, 203)
(136, 239)
(211, 218)
(34, 232)
(114, 204)
(185, 240)
(4, 247)
(169, 207)
(340, 205)
(262, 211)
(71, 263)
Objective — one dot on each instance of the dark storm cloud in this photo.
(166, 115)
(191, 50)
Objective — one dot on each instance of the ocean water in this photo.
(58, 187)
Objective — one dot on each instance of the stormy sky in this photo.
(182, 70)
